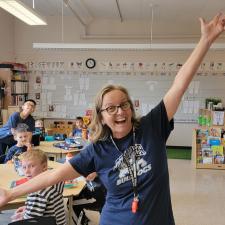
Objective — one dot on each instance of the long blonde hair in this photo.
(98, 130)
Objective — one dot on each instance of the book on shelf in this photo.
(218, 154)
(202, 133)
(18, 99)
(207, 154)
(215, 132)
(19, 87)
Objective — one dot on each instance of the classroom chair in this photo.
(36, 221)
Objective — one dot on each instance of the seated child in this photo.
(23, 142)
(79, 129)
(39, 129)
(47, 202)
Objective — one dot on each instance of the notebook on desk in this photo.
(67, 146)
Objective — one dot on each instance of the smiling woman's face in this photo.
(120, 122)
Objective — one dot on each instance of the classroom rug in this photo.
(179, 153)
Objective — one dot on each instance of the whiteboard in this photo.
(67, 93)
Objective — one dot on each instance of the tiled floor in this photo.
(5, 217)
(198, 196)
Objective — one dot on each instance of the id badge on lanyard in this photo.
(133, 173)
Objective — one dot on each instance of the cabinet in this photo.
(208, 145)
(15, 79)
(60, 127)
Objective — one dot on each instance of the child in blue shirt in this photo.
(23, 142)
(7, 131)
(39, 129)
(79, 129)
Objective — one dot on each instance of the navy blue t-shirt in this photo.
(14, 150)
(152, 168)
(13, 121)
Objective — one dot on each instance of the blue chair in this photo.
(49, 138)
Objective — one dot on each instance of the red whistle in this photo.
(134, 205)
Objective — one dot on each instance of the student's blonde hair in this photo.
(39, 121)
(36, 154)
(98, 130)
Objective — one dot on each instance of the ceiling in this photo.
(161, 18)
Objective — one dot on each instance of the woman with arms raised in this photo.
(129, 155)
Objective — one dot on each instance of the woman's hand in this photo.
(213, 28)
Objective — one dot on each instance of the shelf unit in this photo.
(204, 153)
(195, 150)
(14, 75)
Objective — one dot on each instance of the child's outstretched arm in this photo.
(43, 180)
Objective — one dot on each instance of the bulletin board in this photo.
(67, 89)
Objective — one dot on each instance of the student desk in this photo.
(54, 152)
(8, 174)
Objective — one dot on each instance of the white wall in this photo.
(6, 36)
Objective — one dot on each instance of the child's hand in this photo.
(21, 209)
(29, 146)
(9, 162)
(18, 215)
(91, 176)
(13, 131)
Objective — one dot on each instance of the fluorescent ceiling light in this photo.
(161, 46)
(22, 12)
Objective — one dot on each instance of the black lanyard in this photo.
(133, 173)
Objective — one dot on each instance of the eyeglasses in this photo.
(113, 109)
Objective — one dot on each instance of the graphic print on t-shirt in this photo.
(132, 154)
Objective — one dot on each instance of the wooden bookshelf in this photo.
(196, 148)
(14, 75)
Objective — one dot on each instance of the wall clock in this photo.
(90, 63)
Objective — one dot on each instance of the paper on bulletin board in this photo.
(81, 82)
(37, 86)
(196, 106)
(87, 81)
(76, 98)
(190, 107)
(196, 87)
(68, 95)
(218, 118)
(43, 98)
(82, 99)
(49, 98)
(191, 88)
(185, 106)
